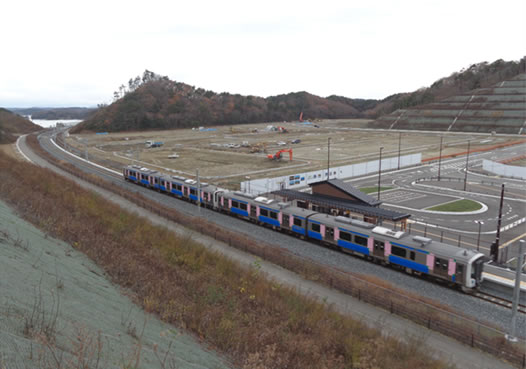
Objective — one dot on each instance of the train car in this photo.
(414, 254)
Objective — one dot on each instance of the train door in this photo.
(329, 233)
(378, 249)
(441, 267)
(215, 199)
(459, 274)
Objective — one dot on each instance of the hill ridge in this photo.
(500, 108)
(156, 103)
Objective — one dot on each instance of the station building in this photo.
(337, 197)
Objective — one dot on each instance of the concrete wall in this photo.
(503, 169)
(262, 185)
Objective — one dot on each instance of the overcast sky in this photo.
(76, 53)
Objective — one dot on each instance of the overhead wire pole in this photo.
(198, 192)
(379, 170)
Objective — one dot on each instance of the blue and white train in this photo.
(415, 254)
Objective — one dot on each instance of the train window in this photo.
(360, 240)
(242, 206)
(263, 212)
(379, 245)
(298, 222)
(273, 215)
(329, 231)
(315, 227)
(345, 236)
(193, 191)
(235, 204)
(398, 251)
(412, 255)
(285, 219)
(155, 180)
(441, 263)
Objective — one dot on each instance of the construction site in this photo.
(227, 155)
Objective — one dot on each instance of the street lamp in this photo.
(440, 157)
(379, 170)
(399, 148)
(467, 162)
(480, 223)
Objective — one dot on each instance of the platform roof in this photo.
(350, 190)
(353, 206)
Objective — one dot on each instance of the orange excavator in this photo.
(278, 156)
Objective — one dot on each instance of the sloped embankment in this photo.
(57, 309)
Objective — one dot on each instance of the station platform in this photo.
(502, 276)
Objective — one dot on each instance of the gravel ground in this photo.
(48, 286)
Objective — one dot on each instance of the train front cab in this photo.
(474, 268)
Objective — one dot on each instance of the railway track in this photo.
(499, 301)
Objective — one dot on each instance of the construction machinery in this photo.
(278, 155)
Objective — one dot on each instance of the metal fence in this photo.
(504, 170)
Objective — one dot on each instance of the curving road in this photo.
(413, 196)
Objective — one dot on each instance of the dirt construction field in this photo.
(228, 154)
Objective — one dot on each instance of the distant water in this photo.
(52, 123)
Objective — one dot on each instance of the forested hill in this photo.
(165, 104)
(155, 102)
(13, 125)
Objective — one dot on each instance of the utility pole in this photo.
(497, 239)
(328, 158)
(399, 148)
(379, 170)
(440, 157)
(516, 294)
(467, 162)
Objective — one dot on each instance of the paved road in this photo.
(436, 344)
(413, 196)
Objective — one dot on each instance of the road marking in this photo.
(511, 241)
(20, 151)
(87, 161)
